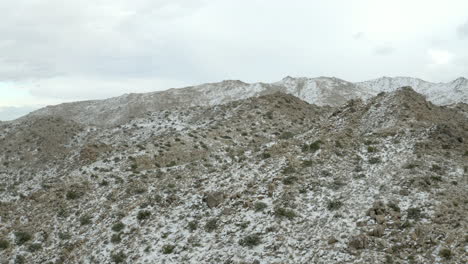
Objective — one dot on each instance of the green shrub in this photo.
(289, 180)
(193, 225)
(85, 220)
(266, 155)
(168, 249)
(143, 214)
(211, 225)
(34, 247)
(414, 213)
(117, 227)
(72, 195)
(4, 244)
(315, 146)
(118, 257)
(64, 236)
(250, 241)
(286, 135)
(307, 163)
(289, 170)
(260, 206)
(116, 238)
(371, 149)
(375, 160)
(283, 212)
(22, 237)
(445, 253)
(334, 205)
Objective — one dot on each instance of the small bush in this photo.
(445, 253)
(334, 205)
(72, 195)
(371, 149)
(211, 225)
(34, 247)
(118, 257)
(85, 220)
(4, 244)
(192, 225)
(168, 249)
(414, 213)
(250, 241)
(117, 227)
(375, 160)
(64, 236)
(144, 214)
(286, 213)
(315, 146)
(266, 155)
(260, 206)
(116, 238)
(289, 170)
(286, 135)
(22, 237)
(289, 180)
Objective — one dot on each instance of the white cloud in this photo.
(440, 57)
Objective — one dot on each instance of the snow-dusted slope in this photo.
(320, 91)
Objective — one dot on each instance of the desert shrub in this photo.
(414, 213)
(283, 212)
(375, 160)
(286, 135)
(72, 195)
(307, 163)
(118, 257)
(211, 225)
(192, 225)
(289, 180)
(288, 170)
(445, 253)
(34, 247)
(334, 205)
(4, 244)
(64, 236)
(143, 214)
(168, 249)
(116, 238)
(22, 237)
(250, 240)
(260, 206)
(85, 220)
(315, 145)
(19, 259)
(117, 227)
(266, 155)
(371, 149)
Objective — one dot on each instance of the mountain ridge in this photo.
(320, 90)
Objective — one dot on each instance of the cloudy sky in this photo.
(54, 51)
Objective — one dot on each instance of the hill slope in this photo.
(267, 179)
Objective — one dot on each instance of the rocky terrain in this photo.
(267, 178)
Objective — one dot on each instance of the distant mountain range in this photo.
(320, 91)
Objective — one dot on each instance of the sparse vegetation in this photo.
(375, 160)
(72, 195)
(285, 213)
(143, 214)
(211, 225)
(260, 206)
(85, 220)
(168, 249)
(117, 227)
(414, 213)
(250, 240)
(334, 205)
(445, 253)
(193, 225)
(22, 237)
(4, 244)
(118, 257)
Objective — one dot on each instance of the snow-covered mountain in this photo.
(320, 91)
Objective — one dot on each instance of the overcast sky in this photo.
(53, 51)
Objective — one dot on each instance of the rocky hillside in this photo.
(267, 179)
(319, 91)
